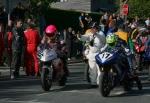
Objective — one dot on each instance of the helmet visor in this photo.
(50, 34)
(112, 44)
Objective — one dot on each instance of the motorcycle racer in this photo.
(50, 40)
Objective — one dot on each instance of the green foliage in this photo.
(43, 2)
(38, 6)
(139, 8)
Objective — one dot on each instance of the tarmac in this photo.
(5, 70)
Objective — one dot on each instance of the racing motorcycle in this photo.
(113, 66)
(52, 68)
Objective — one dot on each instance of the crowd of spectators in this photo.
(107, 23)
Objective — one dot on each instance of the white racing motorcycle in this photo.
(52, 68)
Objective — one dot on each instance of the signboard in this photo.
(125, 9)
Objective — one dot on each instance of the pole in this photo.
(8, 5)
(120, 4)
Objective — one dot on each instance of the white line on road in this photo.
(77, 91)
(118, 93)
(75, 64)
(3, 100)
(43, 94)
(148, 95)
(33, 101)
(20, 80)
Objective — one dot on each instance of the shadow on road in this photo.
(73, 87)
(19, 82)
(17, 94)
(18, 88)
(136, 92)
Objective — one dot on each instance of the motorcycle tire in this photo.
(104, 84)
(46, 81)
(139, 84)
(128, 85)
(63, 80)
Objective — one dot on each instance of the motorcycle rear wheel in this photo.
(63, 80)
(128, 85)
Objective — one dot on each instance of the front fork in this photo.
(48, 68)
(111, 75)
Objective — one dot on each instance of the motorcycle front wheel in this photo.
(46, 79)
(105, 84)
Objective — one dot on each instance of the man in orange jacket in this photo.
(32, 39)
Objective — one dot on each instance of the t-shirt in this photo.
(147, 22)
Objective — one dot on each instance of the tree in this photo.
(124, 1)
(40, 5)
(42, 2)
(139, 8)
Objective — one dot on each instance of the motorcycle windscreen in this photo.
(48, 55)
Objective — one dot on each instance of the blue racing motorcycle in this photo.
(114, 69)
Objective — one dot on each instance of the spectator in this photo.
(119, 21)
(105, 16)
(27, 21)
(79, 45)
(103, 26)
(147, 22)
(17, 47)
(112, 26)
(82, 23)
(64, 35)
(69, 42)
(88, 21)
(74, 44)
(127, 26)
(137, 19)
(114, 16)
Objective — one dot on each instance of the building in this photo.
(75, 5)
(86, 5)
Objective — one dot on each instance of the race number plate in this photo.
(105, 56)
